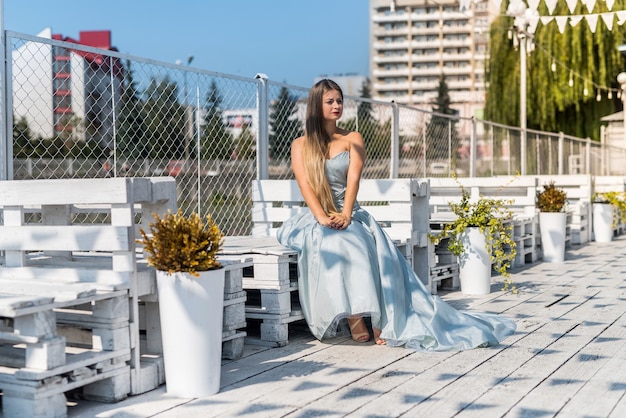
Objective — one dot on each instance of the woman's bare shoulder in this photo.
(297, 143)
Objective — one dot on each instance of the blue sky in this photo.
(292, 41)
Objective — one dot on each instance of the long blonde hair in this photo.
(316, 143)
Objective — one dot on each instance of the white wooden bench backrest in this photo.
(57, 236)
(392, 202)
(521, 190)
(579, 187)
(609, 184)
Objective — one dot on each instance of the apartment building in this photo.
(66, 91)
(414, 42)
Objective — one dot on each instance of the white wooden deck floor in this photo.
(567, 359)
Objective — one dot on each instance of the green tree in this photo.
(589, 59)
(131, 130)
(164, 118)
(441, 132)
(284, 126)
(364, 110)
(216, 142)
(245, 144)
(22, 139)
(377, 136)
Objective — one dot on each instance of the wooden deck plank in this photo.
(565, 359)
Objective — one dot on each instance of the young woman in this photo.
(348, 267)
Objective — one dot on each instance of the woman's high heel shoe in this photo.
(358, 329)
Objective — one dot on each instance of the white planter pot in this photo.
(552, 226)
(474, 263)
(191, 311)
(603, 222)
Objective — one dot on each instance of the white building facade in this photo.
(414, 42)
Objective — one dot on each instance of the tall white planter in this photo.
(603, 222)
(474, 263)
(553, 226)
(191, 311)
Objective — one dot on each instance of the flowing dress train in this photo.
(359, 270)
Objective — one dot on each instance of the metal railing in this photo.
(77, 111)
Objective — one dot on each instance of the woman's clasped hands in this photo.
(338, 221)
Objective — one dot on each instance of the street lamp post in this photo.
(621, 79)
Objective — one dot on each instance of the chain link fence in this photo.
(76, 111)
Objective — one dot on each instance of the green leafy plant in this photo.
(179, 243)
(551, 198)
(617, 199)
(492, 216)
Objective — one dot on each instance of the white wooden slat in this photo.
(385, 190)
(400, 212)
(106, 279)
(11, 301)
(267, 213)
(64, 238)
(64, 191)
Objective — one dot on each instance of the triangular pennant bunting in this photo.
(533, 21)
(592, 20)
(546, 19)
(621, 17)
(609, 4)
(590, 5)
(571, 5)
(608, 19)
(551, 4)
(533, 4)
(575, 20)
(561, 21)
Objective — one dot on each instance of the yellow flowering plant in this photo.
(493, 217)
(617, 199)
(179, 243)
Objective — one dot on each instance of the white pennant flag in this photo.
(592, 20)
(621, 17)
(546, 19)
(533, 21)
(571, 5)
(533, 4)
(608, 19)
(551, 4)
(590, 5)
(561, 21)
(497, 3)
(609, 4)
(575, 20)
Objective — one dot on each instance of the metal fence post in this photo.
(394, 167)
(6, 157)
(472, 169)
(262, 141)
(588, 155)
(559, 162)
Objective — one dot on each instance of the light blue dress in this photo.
(359, 270)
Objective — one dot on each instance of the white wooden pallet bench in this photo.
(611, 184)
(579, 189)
(69, 289)
(521, 191)
(399, 205)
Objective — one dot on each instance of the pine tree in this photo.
(131, 130)
(284, 126)
(441, 133)
(216, 142)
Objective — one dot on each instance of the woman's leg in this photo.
(377, 339)
(358, 329)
